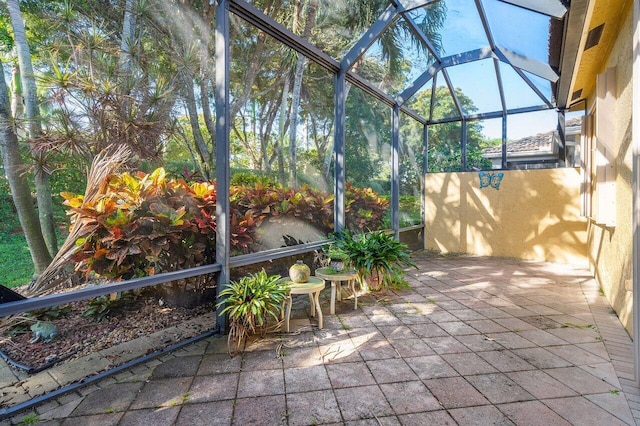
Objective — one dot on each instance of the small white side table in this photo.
(336, 278)
(312, 287)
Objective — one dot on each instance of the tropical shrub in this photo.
(410, 210)
(377, 257)
(143, 224)
(102, 308)
(250, 302)
(285, 205)
(364, 209)
(250, 178)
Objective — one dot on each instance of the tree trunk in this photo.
(208, 120)
(197, 166)
(17, 100)
(32, 112)
(192, 112)
(282, 130)
(297, 88)
(20, 191)
(127, 42)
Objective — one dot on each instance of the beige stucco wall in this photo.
(534, 215)
(610, 249)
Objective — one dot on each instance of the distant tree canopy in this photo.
(141, 73)
(445, 153)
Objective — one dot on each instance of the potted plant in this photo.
(250, 302)
(377, 257)
(338, 258)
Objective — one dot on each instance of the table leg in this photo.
(352, 284)
(339, 289)
(320, 319)
(332, 308)
(288, 314)
(311, 302)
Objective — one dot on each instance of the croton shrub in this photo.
(143, 224)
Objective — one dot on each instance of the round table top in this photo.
(311, 286)
(332, 275)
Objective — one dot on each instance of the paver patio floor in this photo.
(475, 341)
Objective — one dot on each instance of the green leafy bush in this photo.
(103, 307)
(49, 314)
(253, 299)
(143, 224)
(250, 302)
(377, 257)
(364, 209)
(250, 178)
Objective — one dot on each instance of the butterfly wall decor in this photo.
(490, 179)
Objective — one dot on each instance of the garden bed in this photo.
(79, 335)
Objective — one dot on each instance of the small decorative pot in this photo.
(337, 264)
(299, 272)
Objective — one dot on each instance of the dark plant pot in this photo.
(187, 293)
(176, 297)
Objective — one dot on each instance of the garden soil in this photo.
(79, 335)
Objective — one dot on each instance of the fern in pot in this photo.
(338, 258)
(377, 257)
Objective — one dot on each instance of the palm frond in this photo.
(104, 165)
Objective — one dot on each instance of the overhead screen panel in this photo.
(396, 58)
(517, 92)
(520, 30)
(479, 94)
(401, 40)
(460, 28)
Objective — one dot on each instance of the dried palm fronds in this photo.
(103, 166)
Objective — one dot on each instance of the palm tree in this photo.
(20, 191)
(32, 114)
(358, 16)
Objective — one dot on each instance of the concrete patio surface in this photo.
(475, 341)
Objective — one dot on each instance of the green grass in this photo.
(15, 260)
(30, 419)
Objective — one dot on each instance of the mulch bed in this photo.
(79, 335)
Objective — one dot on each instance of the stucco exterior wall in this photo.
(610, 249)
(534, 215)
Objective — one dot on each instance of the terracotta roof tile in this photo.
(536, 143)
(540, 143)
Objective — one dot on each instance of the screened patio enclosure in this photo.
(357, 100)
(329, 113)
(343, 106)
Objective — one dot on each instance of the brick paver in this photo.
(474, 341)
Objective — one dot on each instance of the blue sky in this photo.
(519, 30)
